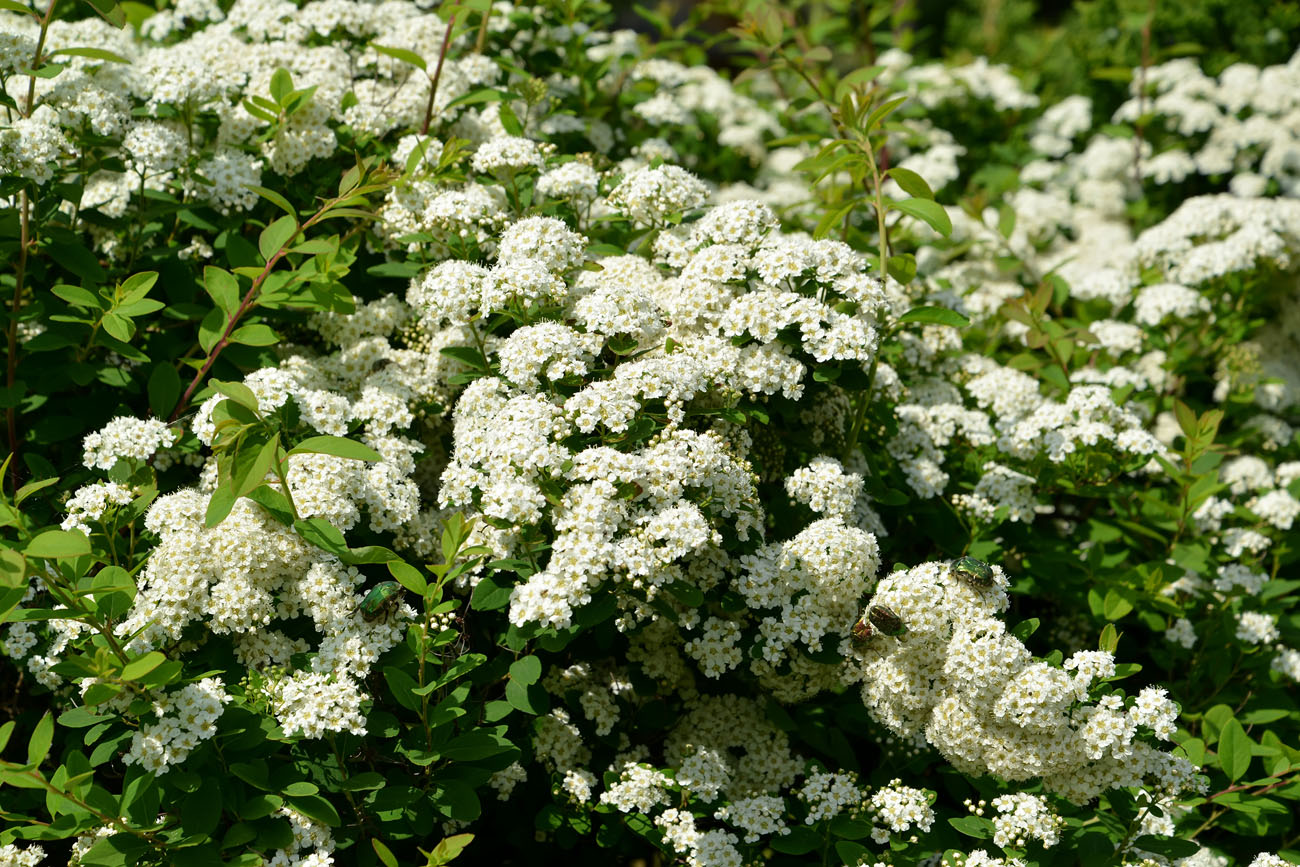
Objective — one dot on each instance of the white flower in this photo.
(126, 437)
(1254, 627)
(650, 195)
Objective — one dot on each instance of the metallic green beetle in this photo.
(885, 620)
(381, 599)
(974, 572)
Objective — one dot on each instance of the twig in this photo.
(437, 73)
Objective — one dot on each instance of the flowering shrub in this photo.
(428, 423)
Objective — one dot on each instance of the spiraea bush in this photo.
(476, 433)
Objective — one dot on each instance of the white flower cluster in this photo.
(1022, 817)
(1001, 488)
(1238, 124)
(828, 794)
(126, 437)
(313, 845)
(650, 195)
(684, 95)
(90, 502)
(314, 704)
(13, 855)
(505, 780)
(897, 808)
(185, 718)
(980, 698)
(824, 487)
(934, 84)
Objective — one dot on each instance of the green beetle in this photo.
(381, 599)
(974, 572)
(861, 632)
(886, 621)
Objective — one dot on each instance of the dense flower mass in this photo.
(423, 421)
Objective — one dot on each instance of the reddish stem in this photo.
(437, 73)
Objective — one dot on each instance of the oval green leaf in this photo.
(53, 544)
(930, 212)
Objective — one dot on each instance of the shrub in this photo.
(479, 434)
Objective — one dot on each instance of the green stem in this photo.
(482, 29)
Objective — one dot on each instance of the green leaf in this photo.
(275, 236)
(53, 544)
(408, 576)
(137, 286)
(466, 355)
(1186, 419)
(340, 447)
(402, 54)
(98, 693)
(912, 183)
(80, 718)
(688, 594)
(138, 668)
(526, 670)
(42, 737)
(317, 808)
(201, 809)
(274, 502)
(456, 799)
(281, 85)
(164, 389)
(95, 53)
(833, 218)
(449, 848)
(219, 505)
(850, 829)
(483, 94)
(476, 745)
(929, 211)
(259, 112)
(109, 11)
(1116, 605)
(78, 297)
(1006, 220)
(509, 120)
(274, 198)
(13, 571)
(1025, 628)
(363, 782)
(254, 335)
(935, 316)
(14, 6)
(490, 594)
(47, 70)
(800, 841)
(222, 288)
(383, 853)
(972, 826)
(315, 246)
(1234, 750)
(322, 534)
(403, 687)
(1170, 847)
(238, 392)
(119, 327)
(211, 329)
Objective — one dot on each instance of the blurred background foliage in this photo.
(1087, 47)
